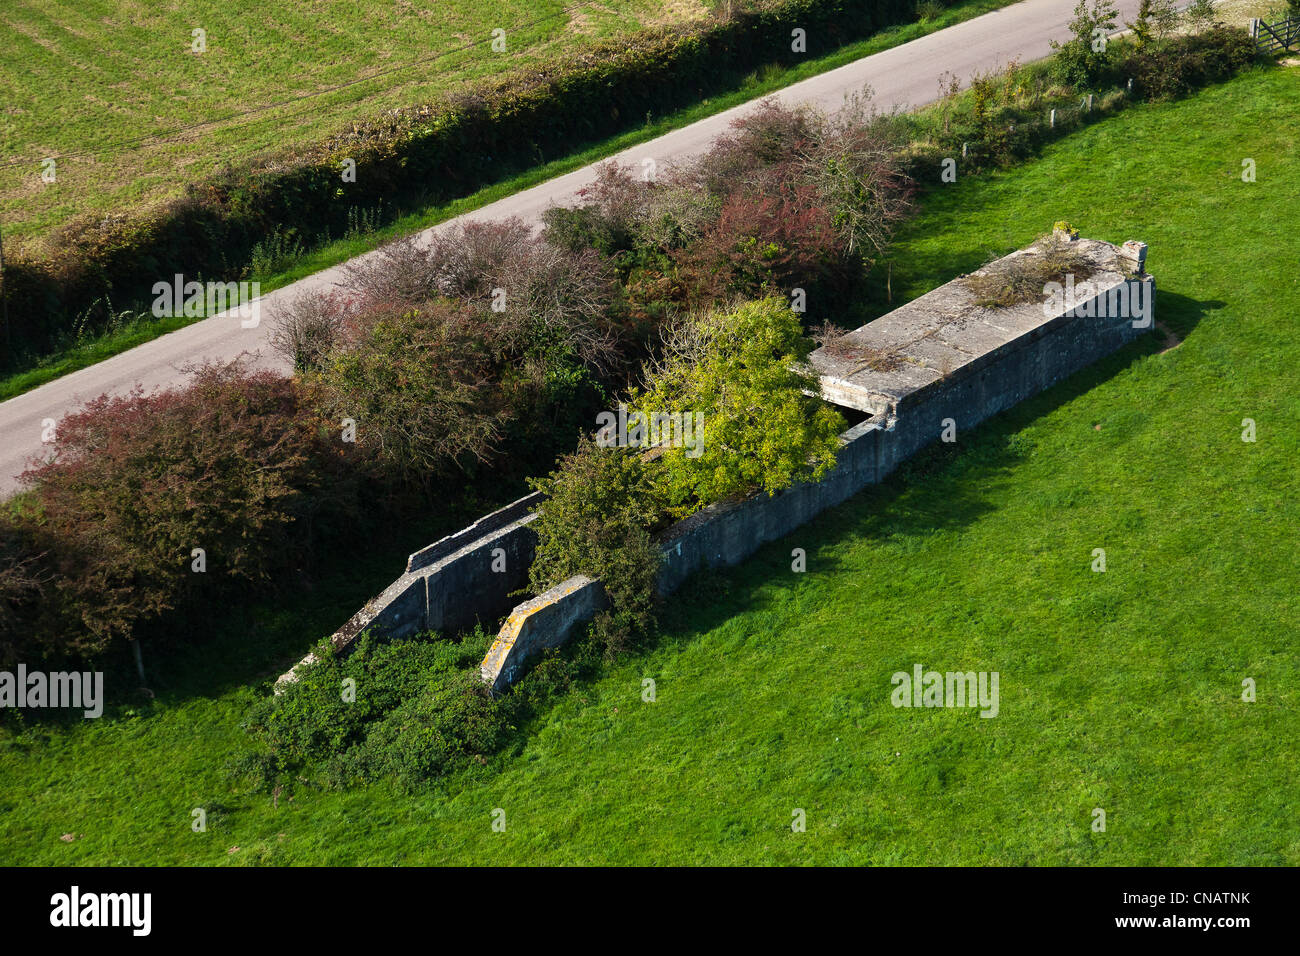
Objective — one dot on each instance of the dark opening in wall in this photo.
(852, 416)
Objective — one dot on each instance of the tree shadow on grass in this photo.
(951, 479)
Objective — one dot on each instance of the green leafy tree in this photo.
(1082, 60)
(1142, 27)
(1164, 18)
(743, 378)
(1200, 15)
(742, 381)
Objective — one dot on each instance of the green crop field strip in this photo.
(81, 77)
(1120, 691)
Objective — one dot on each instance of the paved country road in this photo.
(902, 77)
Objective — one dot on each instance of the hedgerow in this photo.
(152, 504)
(1186, 63)
(424, 154)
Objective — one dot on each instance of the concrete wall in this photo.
(483, 526)
(1003, 378)
(476, 582)
(537, 625)
(727, 533)
(451, 585)
(723, 534)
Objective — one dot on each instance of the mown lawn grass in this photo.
(1119, 690)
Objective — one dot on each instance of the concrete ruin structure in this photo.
(940, 364)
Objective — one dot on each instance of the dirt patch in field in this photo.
(1242, 11)
(1169, 339)
(670, 12)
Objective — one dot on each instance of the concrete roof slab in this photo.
(944, 332)
(940, 356)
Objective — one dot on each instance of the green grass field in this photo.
(82, 77)
(1119, 691)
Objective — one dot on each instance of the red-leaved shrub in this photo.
(143, 491)
(762, 245)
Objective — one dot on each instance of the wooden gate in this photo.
(1283, 35)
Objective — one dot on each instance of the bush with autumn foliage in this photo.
(154, 503)
(788, 199)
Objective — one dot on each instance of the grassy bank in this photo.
(1119, 691)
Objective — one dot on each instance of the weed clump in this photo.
(1022, 278)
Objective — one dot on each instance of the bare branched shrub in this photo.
(949, 87)
(618, 195)
(685, 339)
(676, 215)
(468, 261)
(768, 136)
(308, 326)
(830, 338)
(397, 273)
(566, 299)
(855, 167)
(529, 294)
